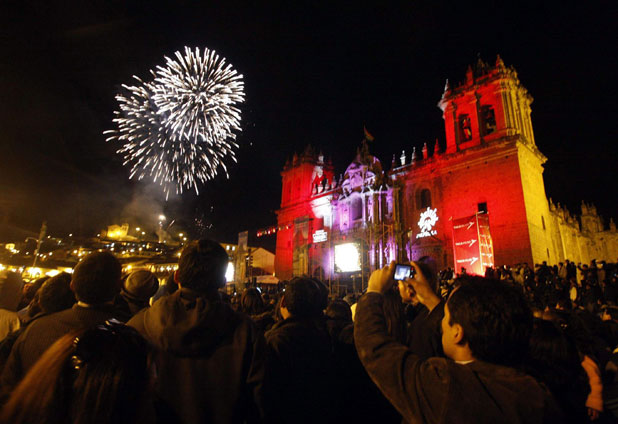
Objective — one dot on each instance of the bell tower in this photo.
(490, 104)
(493, 163)
(304, 179)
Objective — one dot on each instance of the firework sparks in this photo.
(179, 128)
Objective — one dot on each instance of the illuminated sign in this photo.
(347, 257)
(319, 236)
(472, 244)
(426, 223)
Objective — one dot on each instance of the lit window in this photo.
(465, 127)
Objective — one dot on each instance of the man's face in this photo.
(448, 334)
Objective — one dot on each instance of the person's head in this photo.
(96, 278)
(55, 295)
(251, 302)
(302, 298)
(140, 286)
(488, 320)
(102, 372)
(339, 310)
(31, 289)
(554, 361)
(202, 266)
(10, 290)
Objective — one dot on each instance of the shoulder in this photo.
(42, 323)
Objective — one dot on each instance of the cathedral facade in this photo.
(478, 202)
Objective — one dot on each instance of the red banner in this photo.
(472, 245)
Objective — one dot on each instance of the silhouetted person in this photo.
(95, 282)
(300, 357)
(485, 333)
(209, 358)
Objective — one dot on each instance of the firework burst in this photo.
(179, 129)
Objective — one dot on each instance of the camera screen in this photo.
(402, 272)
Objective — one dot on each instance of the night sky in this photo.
(313, 75)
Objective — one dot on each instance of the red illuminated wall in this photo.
(491, 160)
(299, 179)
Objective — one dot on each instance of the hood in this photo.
(188, 324)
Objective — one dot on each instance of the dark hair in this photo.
(303, 297)
(202, 266)
(428, 268)
(98, 375)
(495, 318)
(553, 360)
(339, 310)
(30, 291)
(96, 278)
(55, 294)
(251, 302)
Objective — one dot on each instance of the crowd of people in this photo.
(519, 345)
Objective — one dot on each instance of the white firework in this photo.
(179, 128)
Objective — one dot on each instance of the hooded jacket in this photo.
(209, 359)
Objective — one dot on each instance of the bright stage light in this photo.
(229, 274)
(347, 257)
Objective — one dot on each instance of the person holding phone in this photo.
(486, 330)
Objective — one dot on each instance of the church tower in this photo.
(493, 163)
(306, 183)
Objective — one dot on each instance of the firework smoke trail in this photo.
(179, 128)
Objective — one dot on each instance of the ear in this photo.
(282, 304)
(176, 278)
(458, 334)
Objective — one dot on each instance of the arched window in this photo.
(465, 127)
(488, 117)
(424, 199)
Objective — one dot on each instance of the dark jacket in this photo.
(439, 390)
(424, 337)
(43, 332)
(209, 360)
(301, 362)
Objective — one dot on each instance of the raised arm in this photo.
(418, 389)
